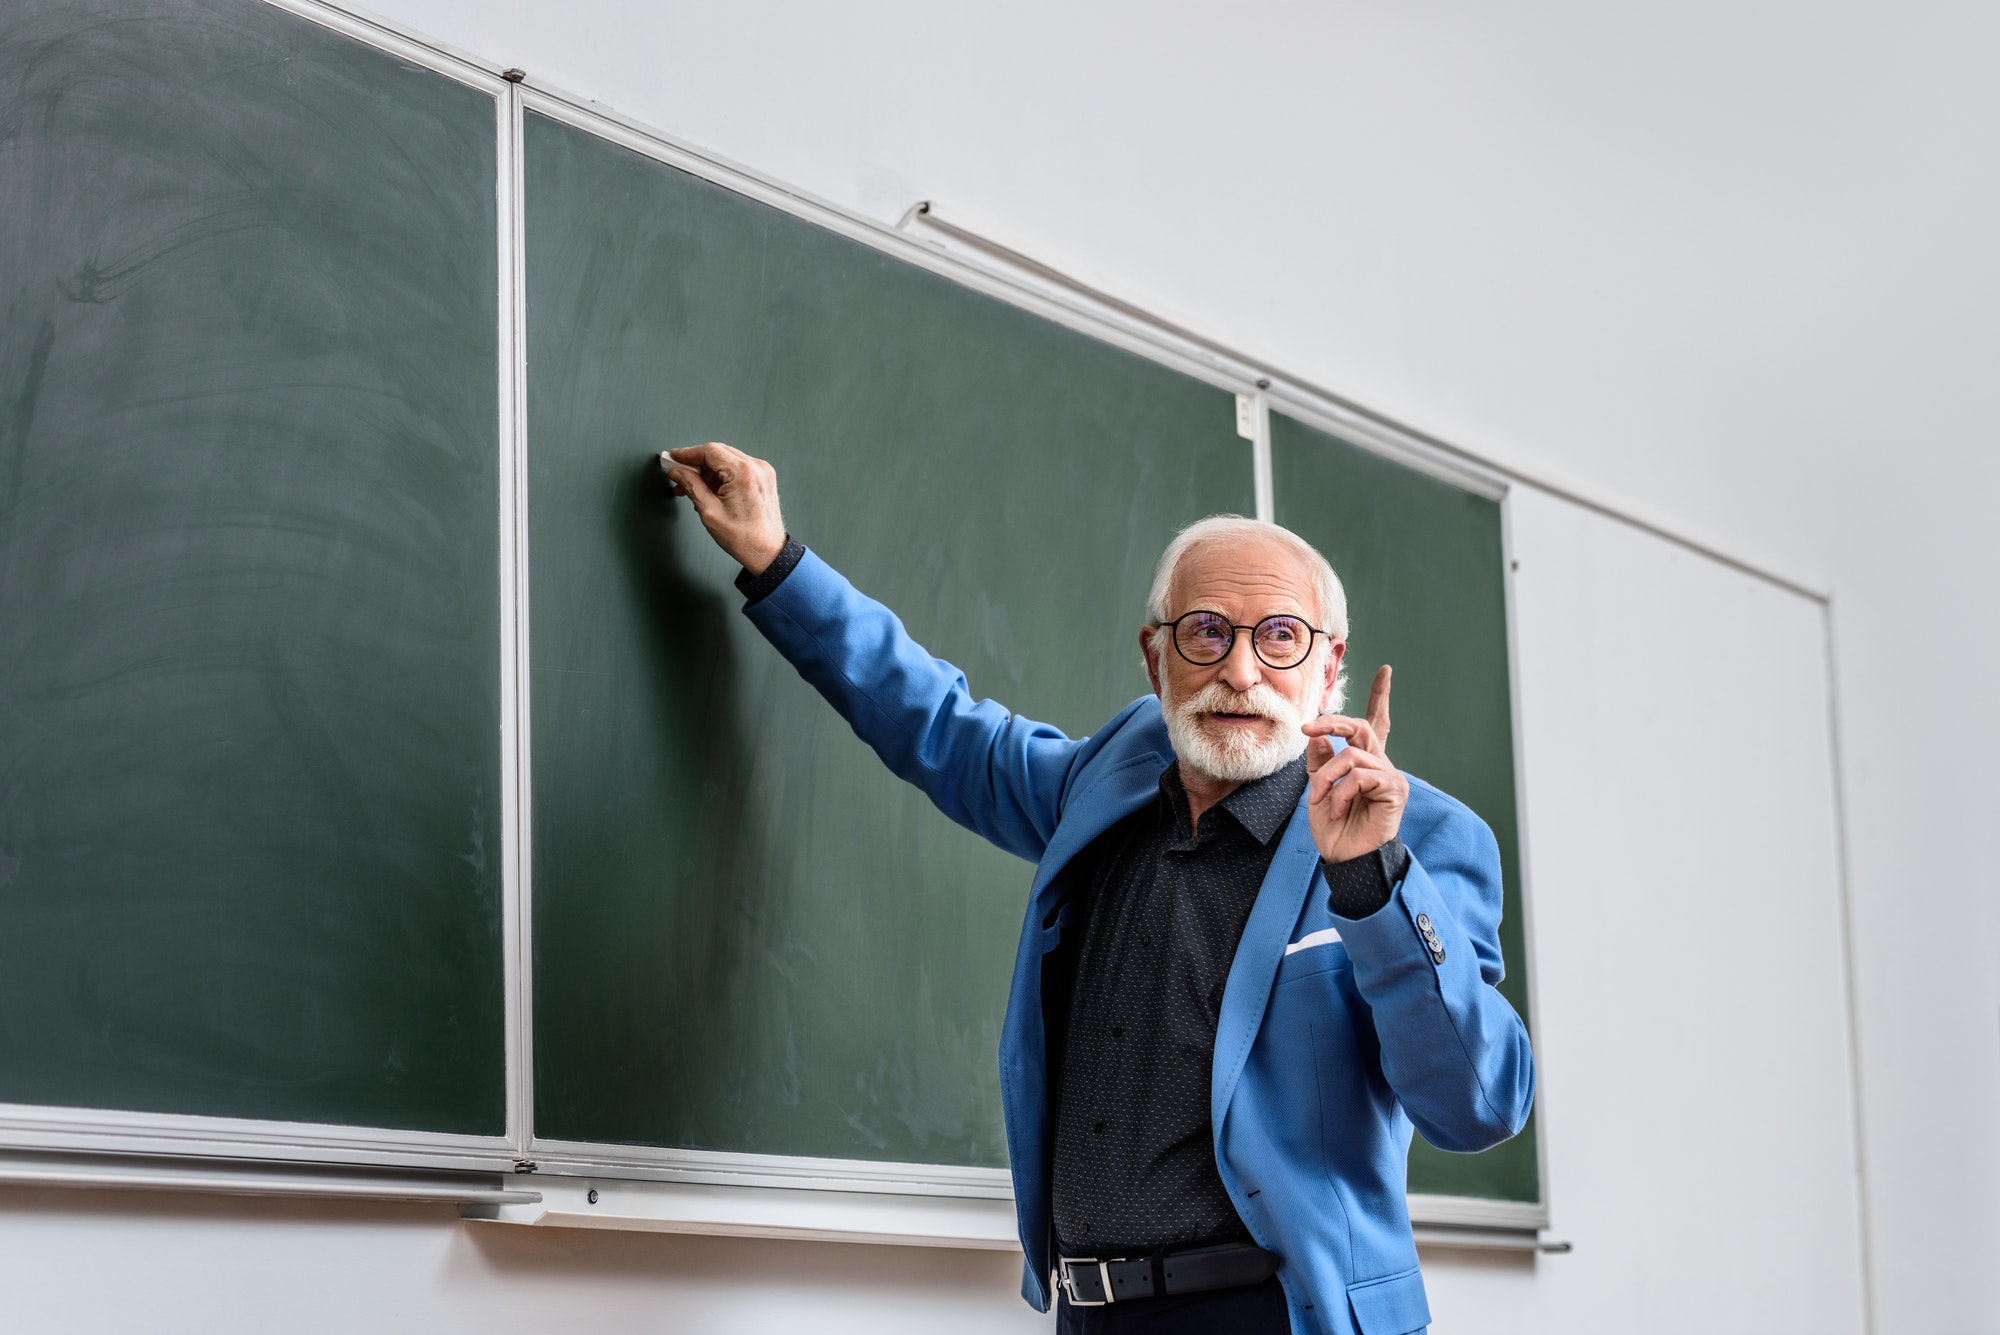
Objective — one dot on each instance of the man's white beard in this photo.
(1237, 755)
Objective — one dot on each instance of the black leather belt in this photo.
(1092, 1282)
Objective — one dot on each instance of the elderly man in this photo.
(1255, 954)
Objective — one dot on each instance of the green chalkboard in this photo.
(250, 717)
(747, 935)
(1422, 562)
(249, 636)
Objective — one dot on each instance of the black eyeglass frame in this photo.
(1173, 629)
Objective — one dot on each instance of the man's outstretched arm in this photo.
(998, 775)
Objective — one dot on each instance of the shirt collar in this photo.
(1261, 806)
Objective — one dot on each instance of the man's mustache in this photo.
(1216, 698)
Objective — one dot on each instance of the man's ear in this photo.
(1146, 634)
(1331, 674)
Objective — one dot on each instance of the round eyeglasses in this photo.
(1205, 638)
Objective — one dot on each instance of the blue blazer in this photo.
(1325, 1056)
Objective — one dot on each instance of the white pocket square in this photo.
(1325, 936)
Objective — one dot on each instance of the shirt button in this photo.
(1424, 922)
(1118, 1031)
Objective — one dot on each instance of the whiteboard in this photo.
(1691, 1006)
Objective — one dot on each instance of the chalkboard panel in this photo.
(1426, 592)
(249, 701)
(747, 935)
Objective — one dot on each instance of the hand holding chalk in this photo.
(736, 497)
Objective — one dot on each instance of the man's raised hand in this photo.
(1354, 800)
(736, 497)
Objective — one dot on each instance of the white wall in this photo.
(1732, 263)
(110, 1263)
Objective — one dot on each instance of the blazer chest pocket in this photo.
(1394, 1305)
(1314, 959)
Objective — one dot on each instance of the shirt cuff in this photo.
(755, 588)
(1361, 886)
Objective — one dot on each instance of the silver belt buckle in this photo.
(1103, 1278)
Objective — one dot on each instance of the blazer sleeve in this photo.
(1452, 1047)
(999, 775)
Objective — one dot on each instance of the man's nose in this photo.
(1241, 670)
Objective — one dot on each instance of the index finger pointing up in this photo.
(1378, 703)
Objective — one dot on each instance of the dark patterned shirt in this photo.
(1134, 1153)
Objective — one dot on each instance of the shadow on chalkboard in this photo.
(716, 826)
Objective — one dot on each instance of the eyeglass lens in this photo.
(1204, 637)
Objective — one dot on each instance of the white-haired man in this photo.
(1255, 953)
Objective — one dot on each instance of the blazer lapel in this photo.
(1112, 796)
(1279, 901)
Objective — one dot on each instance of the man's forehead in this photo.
(1243, 568)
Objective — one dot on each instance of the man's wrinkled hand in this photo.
(736, 497)
(1354, 800)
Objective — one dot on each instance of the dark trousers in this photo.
(1254, 1309)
